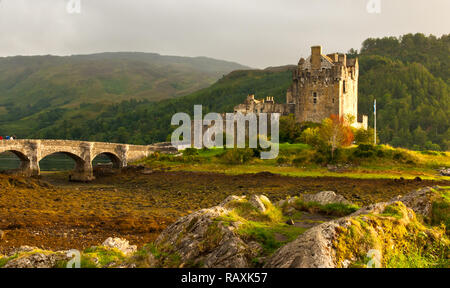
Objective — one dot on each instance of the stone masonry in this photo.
(30, 152)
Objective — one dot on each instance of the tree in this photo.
(310, 136)
(290, 130)
(420, 137)
(336, 133)
(363, 136)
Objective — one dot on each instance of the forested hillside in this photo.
(145, 122)
(409, 77)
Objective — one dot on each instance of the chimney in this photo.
(316, 57)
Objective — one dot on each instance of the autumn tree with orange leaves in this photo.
(336, 133)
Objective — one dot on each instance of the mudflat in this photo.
(52, 213)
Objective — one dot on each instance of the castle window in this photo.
(333, 100)
(315, 97)
(344, 87)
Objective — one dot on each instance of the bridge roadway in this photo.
(30, 152)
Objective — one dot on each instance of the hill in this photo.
(410, 77)
(35, 84)
(143, 122)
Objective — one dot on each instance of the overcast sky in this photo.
(257, 33)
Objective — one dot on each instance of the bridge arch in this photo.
(82, 169)
(113, 157)
(23, 158)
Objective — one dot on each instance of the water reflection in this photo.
(54, 162)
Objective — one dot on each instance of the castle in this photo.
(322, 85)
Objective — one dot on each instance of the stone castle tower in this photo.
(322, 85)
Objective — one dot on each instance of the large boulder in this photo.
(207, 239)
(421, 200)
(315, 248)
(31, 257)
(350, 240)
(324, 198)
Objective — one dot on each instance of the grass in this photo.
(440, 210)
(400, 238)
(334, 209)
(5, 260)
(393, 210)
(266, 234)
(297, 160)
(102, 256)
(417, 259)
(268, 228)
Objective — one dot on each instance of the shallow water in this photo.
(55, 162)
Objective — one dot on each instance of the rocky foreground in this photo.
(319, 230)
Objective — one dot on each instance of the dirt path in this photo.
(136, 206)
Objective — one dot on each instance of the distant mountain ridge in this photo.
(33, 84)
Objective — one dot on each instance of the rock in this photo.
(316, 247)
(258, 202)
(338, 168)
(312, 249)
(40, 259)
(230, 199)
(290, 222)
(120, 244)
(202, 240)
(281, 203)
(420, 201)
(445, 171)
(325, 197)
(332, 168)
(24, 249)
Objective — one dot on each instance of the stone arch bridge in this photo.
(30, 152)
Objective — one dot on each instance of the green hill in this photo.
(146, 122)
(36, 84)
(410, 85)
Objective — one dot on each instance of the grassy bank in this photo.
(301, 160)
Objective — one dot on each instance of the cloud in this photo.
(257, 33)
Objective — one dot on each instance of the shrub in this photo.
(363, 136)
(404, 157)
(190, 152)
(310, 136)
(238, 156)
(367, 151)
(282, 160)
(300, 160)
